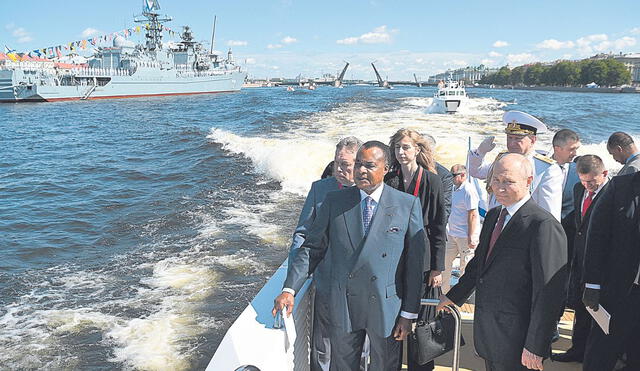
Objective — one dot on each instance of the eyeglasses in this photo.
(456, 174)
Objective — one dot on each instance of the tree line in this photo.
(604, 72)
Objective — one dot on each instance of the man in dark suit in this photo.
(622, 148)
(593, 181)
(375, 240)
(343, 164)
(611, 274)
(518, 272)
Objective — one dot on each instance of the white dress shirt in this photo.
(512, 209)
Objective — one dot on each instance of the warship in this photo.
(125, 70)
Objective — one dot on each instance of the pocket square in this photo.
(393, 230)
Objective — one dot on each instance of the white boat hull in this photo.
(252, 340)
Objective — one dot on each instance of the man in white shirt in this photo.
(522, 130)
(463, 226)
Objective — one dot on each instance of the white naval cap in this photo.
(521, 123)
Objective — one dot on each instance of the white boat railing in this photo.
(257, 341)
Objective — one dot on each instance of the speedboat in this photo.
(449, 96)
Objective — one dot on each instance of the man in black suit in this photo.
(519, 273)
(611, 274)
(593, 181)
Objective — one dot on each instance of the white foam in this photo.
(292, 162)
(253, 219)
(243, 261)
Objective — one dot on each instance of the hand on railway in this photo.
(283, 300)
(530, 360)
(486, 146)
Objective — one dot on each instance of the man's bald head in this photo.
(511, 178)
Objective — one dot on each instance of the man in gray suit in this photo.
(374, 239)
(565, 145)
(343, 165)
(622, 148)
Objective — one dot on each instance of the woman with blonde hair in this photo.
(414, 171)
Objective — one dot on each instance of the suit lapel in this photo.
(513, 227)
(353, 218)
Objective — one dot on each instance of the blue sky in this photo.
(290, 37)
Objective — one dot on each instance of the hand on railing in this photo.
(444, 303)
(285, 299)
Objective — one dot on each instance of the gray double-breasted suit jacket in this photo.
(373, 277)
(312, 203)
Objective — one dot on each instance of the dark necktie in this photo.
(587, 202)
(367, 213)
(497, 230)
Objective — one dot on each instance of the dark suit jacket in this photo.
(630, 167)
(613, 243)
(431, 195)
(520, 289)
(576, 257)
(373, 277)
(447, 187)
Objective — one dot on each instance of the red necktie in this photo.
(587, 202)
(497, 230)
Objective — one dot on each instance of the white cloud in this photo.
(554, 44)
(494, 54)
(237, 43)
(380, 35)
(600, 43)
(289, 40)
(458, 63)
(624, 42)
(487, 62)
(20, 33)
(274, 46)
(88, 32)
(522, 58)
(500, 44)
(635, 31)
(348, 41)
(250, 61)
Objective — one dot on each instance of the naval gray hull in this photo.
(141, 84)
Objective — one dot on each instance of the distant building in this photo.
(469, 75)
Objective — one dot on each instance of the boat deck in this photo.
(470, 362)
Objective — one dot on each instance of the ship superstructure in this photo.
(125, 69)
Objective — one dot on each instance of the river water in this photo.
(133, 232)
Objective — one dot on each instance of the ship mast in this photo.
(213, 35)
(153, 21)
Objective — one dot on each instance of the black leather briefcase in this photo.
(434, 333)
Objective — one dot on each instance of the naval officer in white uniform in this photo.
(522, 128)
